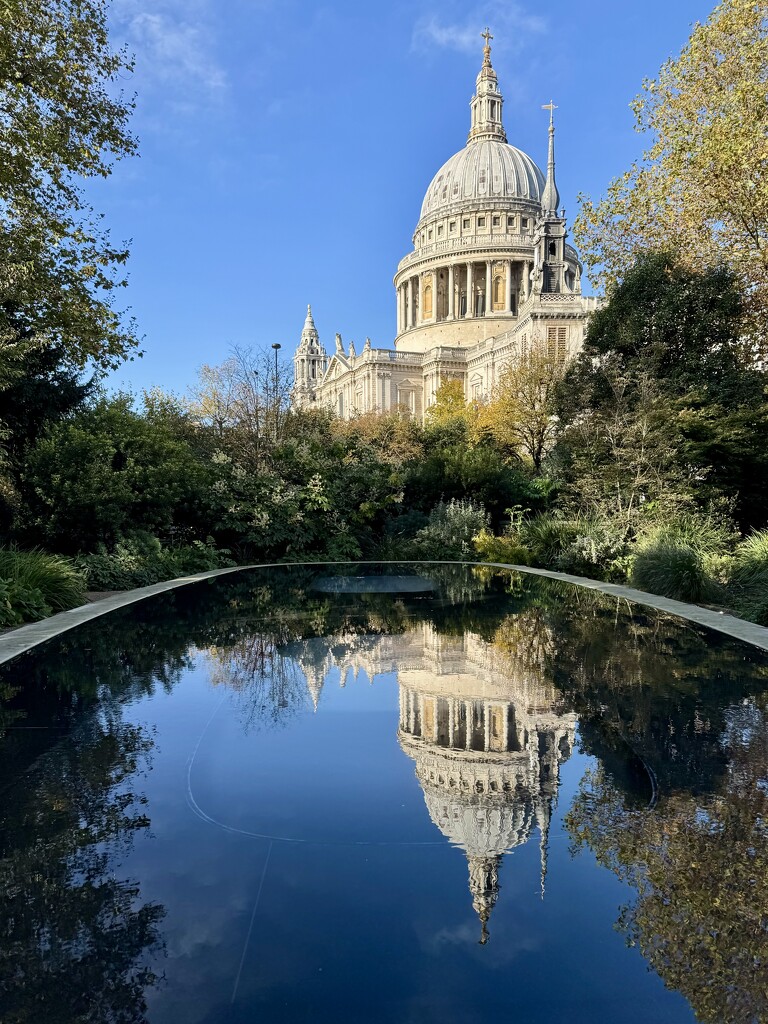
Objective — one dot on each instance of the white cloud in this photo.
(511, 25)
(173, 41)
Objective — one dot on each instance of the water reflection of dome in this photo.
(482, 725)
(489, 763)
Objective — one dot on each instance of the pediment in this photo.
(337, 366)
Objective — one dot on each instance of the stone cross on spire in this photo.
(487, 48)
(551, 107)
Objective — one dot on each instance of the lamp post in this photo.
(277, 348)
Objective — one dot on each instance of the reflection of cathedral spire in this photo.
(484, 886)
(544, 820)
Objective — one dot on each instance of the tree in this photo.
(108, 471)
(242, 400)
(63, 120)
(701, 184)
(521, 414)
(664, 401)
(449, 404)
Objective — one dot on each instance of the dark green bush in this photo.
(142, 560)
(673, 567)
(56, 579)
(748, 578)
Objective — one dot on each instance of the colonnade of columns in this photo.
(468, 292)
(461, 724)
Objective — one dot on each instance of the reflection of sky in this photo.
(345, 932)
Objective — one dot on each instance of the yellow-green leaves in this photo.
(701, 186)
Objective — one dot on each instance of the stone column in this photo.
(470, 297)
(387, 387)
(409, 309)
(487, 724)
(526, 279)
(420, 292)
(450, 292)
(488, 289)
(509, 285)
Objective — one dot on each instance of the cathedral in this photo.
(490, 278)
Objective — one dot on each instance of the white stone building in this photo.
(490, 276)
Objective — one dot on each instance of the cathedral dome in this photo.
(487, 170)
(482, 829)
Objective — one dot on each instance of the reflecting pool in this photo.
(401, 794)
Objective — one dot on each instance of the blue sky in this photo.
(286, 147)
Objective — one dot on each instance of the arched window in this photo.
(427, 300)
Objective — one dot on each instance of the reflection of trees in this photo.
(76, 938)
(700, 867)
(646, 683)
(272, 687)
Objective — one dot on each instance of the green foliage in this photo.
(108, 471)
(672, 567)
(35, 583)
(449, 405)
(701, 184)
(665, 404)
(500, 549)
(142, 560)
(450, 531)
(748, 578)
(547, 536)
(63, 121)
(683, 327)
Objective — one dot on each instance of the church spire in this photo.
(550, 199)
(309, 323)
(487, 102)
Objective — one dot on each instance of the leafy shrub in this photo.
(448, 534)
(707, 533)
(595, 551)
(547, 536)
(501, 549)
(748, 578)
(54, 578)
(142, 560)
(672, 567)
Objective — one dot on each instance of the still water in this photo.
(409, 794)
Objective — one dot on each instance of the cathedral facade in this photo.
(491, 277)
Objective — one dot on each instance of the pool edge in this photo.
(23, 639)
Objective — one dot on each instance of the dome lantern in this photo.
(487, 102)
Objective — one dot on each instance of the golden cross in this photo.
(551, 107)
(487, 37)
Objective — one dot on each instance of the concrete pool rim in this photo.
(25, 638)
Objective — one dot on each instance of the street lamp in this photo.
(277, 348)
